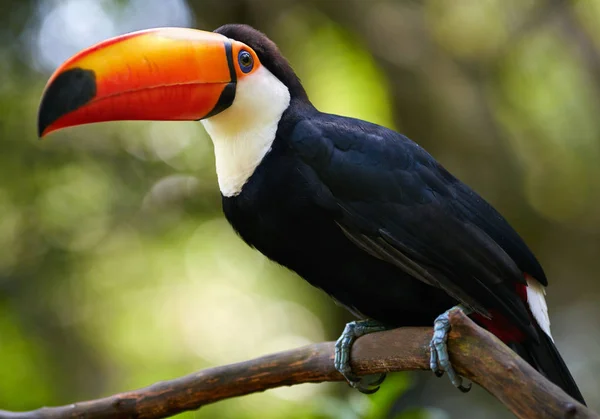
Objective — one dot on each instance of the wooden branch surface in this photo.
(475, 353)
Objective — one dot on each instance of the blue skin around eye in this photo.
(245, 68)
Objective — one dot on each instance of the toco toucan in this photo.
(356, 209)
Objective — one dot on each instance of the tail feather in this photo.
(545, 358)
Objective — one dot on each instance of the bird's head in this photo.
(235, 74)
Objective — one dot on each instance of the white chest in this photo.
(243, 134)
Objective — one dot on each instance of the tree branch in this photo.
(476, 354)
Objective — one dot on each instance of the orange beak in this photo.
(158, 74)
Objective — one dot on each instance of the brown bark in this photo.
(475, 353)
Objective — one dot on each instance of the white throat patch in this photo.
(243, 133)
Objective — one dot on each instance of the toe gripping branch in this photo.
(439, 360)
(353, 330)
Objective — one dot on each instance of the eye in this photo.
(246, 61)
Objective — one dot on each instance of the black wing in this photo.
(396, 202)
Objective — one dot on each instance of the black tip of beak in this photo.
(68, 92)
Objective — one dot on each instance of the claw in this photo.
(365, 388)
(439, 361)
(465, 389)
(378, 379)
(352, 331)
(366, 385)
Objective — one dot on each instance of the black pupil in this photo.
(246, 60)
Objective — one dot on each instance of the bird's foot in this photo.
(440, 361)
(353, 330)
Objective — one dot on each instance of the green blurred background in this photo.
(117, 268)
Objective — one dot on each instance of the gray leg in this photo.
(440, 361)
(352, 331)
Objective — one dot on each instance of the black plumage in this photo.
(383, 207)
(370, 217)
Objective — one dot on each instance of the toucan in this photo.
(357, 210)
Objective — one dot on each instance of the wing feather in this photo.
(398, 204)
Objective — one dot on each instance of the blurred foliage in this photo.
(117, 268)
